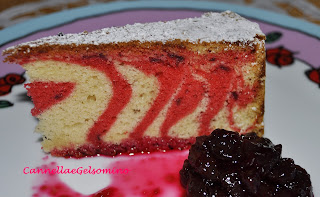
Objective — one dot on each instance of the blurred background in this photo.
(15, 11)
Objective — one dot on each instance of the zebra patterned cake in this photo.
(145, 87)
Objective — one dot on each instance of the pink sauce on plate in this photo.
(150, 175)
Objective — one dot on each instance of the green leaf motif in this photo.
(273, 36)
(4, 104)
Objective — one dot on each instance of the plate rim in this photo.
(45, 22)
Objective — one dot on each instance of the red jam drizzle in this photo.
(152, 175)
(173, 71)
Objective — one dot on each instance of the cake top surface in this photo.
(226, 26)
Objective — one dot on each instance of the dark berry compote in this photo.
(227, 164)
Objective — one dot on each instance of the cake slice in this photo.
(145, 87)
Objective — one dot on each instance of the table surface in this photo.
(13, 12)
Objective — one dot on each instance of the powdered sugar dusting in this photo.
(226, 26)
